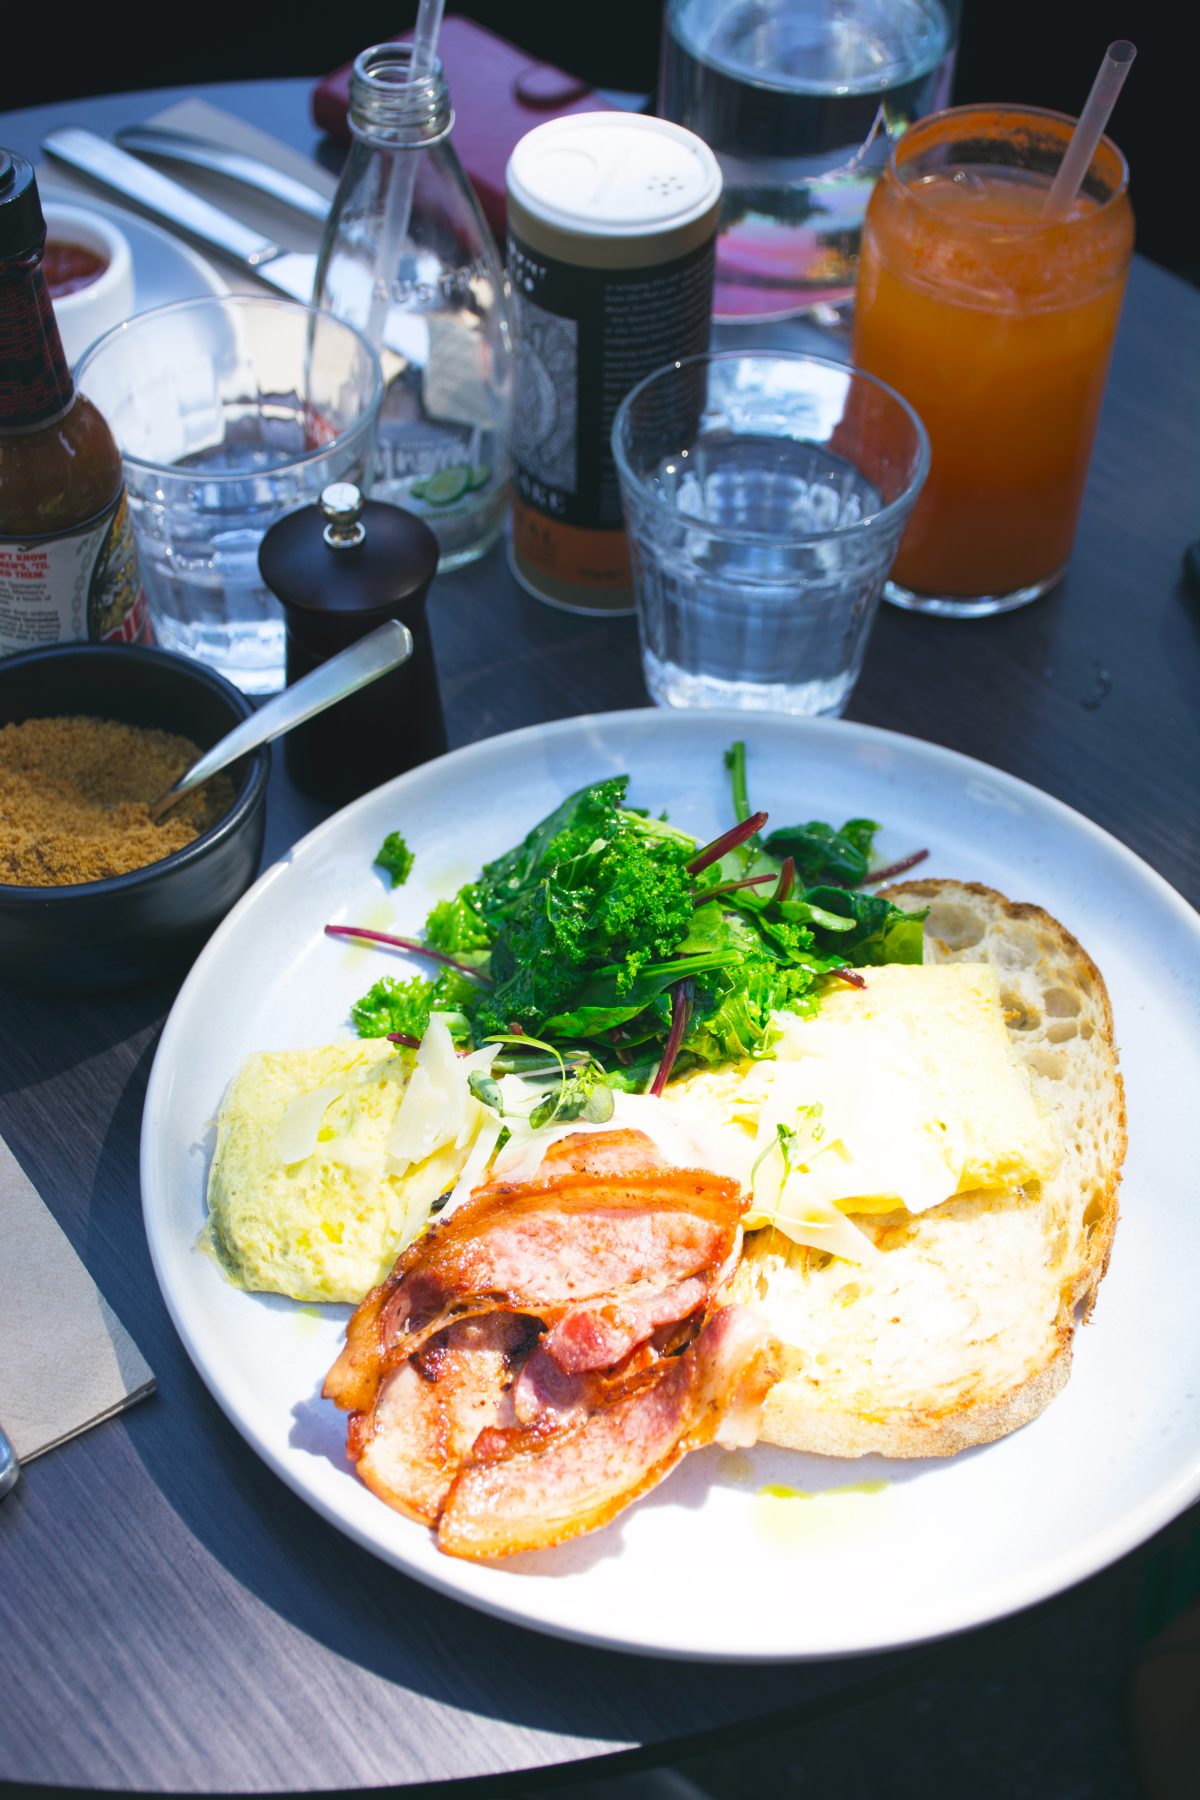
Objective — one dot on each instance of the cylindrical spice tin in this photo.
(612, 221)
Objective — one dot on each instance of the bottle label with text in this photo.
(81, 584)
(584, 337)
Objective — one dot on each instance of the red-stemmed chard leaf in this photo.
(896, 868)
(410, 944)
(729, 887)
(728, 840)
(681, 1012)
(787, 879)
(404, 1038)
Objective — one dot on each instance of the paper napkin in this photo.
(66, 1361)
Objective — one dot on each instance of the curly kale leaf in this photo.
(604, 897)
(455, 926)
(624, 897)
(405, 1006)
(731, 1017)
(393, 1005)
(570, 829)
(396, 857)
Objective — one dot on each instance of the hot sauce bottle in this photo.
(68, 569)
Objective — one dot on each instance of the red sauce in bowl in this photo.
(69, 267)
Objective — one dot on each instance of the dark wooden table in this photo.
(171, 1616)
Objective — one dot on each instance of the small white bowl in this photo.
(92, 310)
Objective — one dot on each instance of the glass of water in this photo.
(765, 494)
(800, 100)
(229, 411)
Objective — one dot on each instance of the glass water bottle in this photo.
(408, 258)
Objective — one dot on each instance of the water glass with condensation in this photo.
(229, 411)
(765, 494)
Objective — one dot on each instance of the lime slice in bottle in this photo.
(447, 485)
(479, 477)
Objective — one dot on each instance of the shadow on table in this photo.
(75, 1026)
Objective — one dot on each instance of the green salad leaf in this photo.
(610, 939)
(823, 855)
(403, 1007)
(878, 931)
(396, 857)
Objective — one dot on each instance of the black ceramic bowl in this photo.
(109, 933)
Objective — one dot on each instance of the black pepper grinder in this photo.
(341, 568)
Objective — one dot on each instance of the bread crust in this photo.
(1041, 1254)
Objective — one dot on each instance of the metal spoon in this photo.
(344, 674)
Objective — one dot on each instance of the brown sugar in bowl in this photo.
(75, 796)
(128, 927)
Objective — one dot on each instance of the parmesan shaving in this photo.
(438, 1106)
(298, 1131)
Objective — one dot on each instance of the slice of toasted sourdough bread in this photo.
(962, 1330)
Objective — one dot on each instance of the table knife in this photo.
(289, 271)
(249, 171)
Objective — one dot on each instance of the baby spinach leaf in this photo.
(879, 932)
(823, 855)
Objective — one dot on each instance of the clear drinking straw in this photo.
(1089, 129)
(399, 212)
(424, 51)
(429, 24)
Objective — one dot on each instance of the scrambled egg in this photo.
(900, 1094)
(304, 1197)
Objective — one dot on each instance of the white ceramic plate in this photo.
(709, 1565)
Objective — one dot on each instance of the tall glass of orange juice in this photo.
(995, 323)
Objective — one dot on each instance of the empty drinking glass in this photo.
(229, 412)
(765, 494)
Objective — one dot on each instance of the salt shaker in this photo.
(408, 258)
(339, 569)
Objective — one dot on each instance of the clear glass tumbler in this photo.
(764, 495)
(229, 411)
(800, 100)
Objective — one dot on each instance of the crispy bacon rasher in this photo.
(551, 1350)
(525, 1489)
